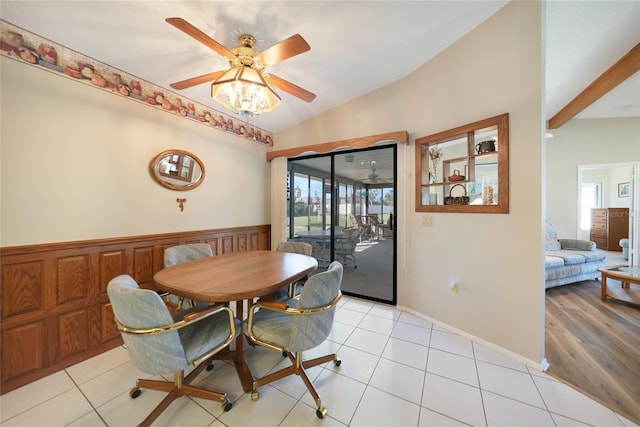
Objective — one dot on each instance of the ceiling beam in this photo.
(627, 66)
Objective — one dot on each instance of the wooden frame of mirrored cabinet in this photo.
(465, 169)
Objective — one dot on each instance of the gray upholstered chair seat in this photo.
(200, 338)
(272, 327)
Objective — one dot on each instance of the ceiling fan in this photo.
(247, 67)
(375, 178)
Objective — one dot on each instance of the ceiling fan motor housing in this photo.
(245, 54)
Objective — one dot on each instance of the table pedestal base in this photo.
(242, 369)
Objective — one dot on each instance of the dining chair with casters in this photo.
(294, 247)
(159, 343)
(296, 326)
(185, 253)
(345, 246)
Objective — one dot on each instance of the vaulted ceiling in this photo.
(356, 46)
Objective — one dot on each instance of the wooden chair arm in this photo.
(194, 315)
(273, 305)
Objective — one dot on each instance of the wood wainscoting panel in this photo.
(226, 245)
(244, 243)
(214, 245)
(73, 333)
(21, 288)
(108, 330)
(55, 309)
(143, 267)
(72, 278)
(22, 351)
(111, 263)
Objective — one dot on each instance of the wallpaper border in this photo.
(26, 47)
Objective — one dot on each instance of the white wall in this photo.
(497, 258)
(75, 165)
(609, 176)
(585, 142)
(619, 176)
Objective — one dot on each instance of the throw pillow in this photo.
(551, 242)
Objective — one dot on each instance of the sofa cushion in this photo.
(569, 257)
(592, 256)
(552, 262)
(551, 242)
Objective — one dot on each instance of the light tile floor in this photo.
(397, 370)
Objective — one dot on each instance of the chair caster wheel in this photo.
(210, 367)
(321, 412)
(284, 353)
(135, 392)
(226, 406)
(337, 362)
(254, 395)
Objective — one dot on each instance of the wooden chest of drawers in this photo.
(608, 226)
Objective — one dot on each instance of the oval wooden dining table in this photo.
(239, 277)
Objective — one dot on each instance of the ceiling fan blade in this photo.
(290, 88)
(192, 31)
(194, 81)
(294, 45)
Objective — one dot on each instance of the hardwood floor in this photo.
(594, 345)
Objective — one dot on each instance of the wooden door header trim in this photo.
(401, 137)
(627, 66)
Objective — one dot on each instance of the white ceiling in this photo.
(356, 46)
(585, 38)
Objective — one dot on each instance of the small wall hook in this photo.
(181, 203)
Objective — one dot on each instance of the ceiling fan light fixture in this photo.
(245, 91)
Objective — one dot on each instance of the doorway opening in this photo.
(601, 186)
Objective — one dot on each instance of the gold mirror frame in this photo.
(456, 158)
(177, 170)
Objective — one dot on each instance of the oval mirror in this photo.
(177, 170)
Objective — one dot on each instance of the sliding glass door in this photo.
(344, 205)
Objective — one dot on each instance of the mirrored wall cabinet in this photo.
(465, 169)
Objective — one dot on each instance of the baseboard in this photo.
(542, 365)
